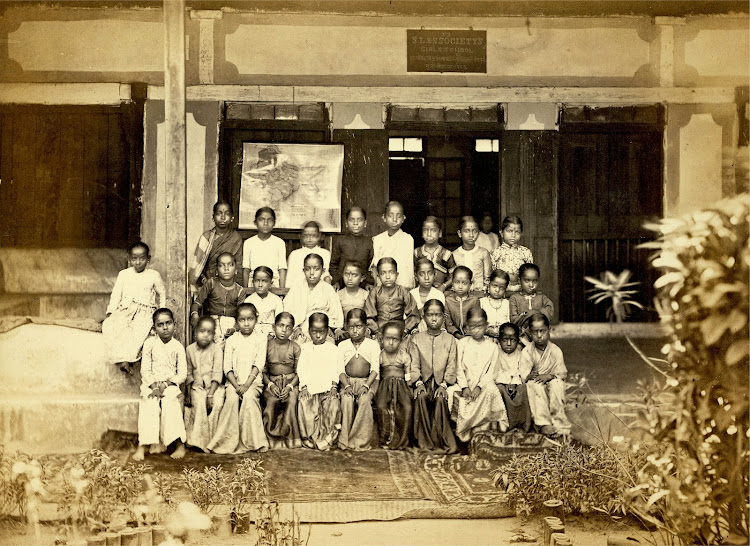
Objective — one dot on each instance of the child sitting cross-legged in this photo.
(319, 406)
(389, 301)
(511, 376)
(360, 357)
(458, 301)
(163, 370)
(204, 393)
(425, 291)
(434, 353)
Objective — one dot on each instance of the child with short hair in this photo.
(546, 382)
(240, 426)
(495, 304)
(353, 246)
(131, 306)
(280, 380)
(396, 244)
(216, 241)
(509, 256)
(204, 393)
(390, 301)
(310, 238)
(441, 258)
(487, 239)
(529, 301)
(434, 352)
(360, 358)
(219, 297)
(425, 290)
(163, 370)
(511, 376)
(394, 398)
(265, 249)
(458, 301)
(472, 256)
(312, 296)
(480, 404)
(266, 302)
(319, 406)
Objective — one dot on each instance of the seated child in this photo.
(131, 308)
(472, 256)
(509, 256)
(204, 393)
(425, 290)
(459, 301)
(441, 258)
(360, 357)
(353, 246)
(352, 296)
(240, 426)
(319, 406)
(219, 298)
(394, 397)
(546, 382)
(266, 302)
(280, 380)
(434, 352)
(265, 249)
(486, 238)
(311, 297)
(163, 370)
(529, 301)
(310, 238)
(510, 378)
(396, 244)
(389, 301)
(495, 304)
(219, 239)
(480, 405)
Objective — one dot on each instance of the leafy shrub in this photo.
(208, 487)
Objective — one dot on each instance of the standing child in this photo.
(319, 406)
(529, 301)
(480, 403)
(131, 306)
(511, 376)
(390, 301)
(204, 393)
(459, 301)
(266, 302)
(280, 380)
(360, 357)
(434, 352)
(425, 290)
(163, 370)
(310, 238)
(312, 296)
(495, 304)
(240, 426)
(219, 298)
(265, 249)
(352, 296)
(353, 246)
(394, 397)
(509, 256)
(216, 241)
(394, 243)
(486, 238)
(441, 258)
(472, 256)
(546, 382)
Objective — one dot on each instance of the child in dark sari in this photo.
(213, 243)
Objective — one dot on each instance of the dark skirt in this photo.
(516, 402)
(394, 407)
(280, 416)
(432, 423)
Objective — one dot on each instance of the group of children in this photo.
(437, 361)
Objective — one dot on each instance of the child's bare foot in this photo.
(547, 430)
(139, 454)
(155, 449)
(179, 452)
(262, 449)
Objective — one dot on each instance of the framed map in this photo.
(301, 182)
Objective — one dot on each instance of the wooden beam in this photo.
(65, 93)
(175, 164)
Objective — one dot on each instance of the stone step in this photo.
(55, 306)
(19, 305)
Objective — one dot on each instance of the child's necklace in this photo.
(499, 304)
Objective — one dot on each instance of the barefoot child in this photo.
(240, 426)
(219, 297)
(458, 302)
(390, 301)
(509, 256)
(529, 301)
(319, 406)
(265, 249)
(219, 239)
(480, 403)
(266, 302)
(310, 238)
(495, 304)
(441, 258)
(425, 290)
(280, 380)
(546, 382)
(131, 307)
(353, 246)
(434, 352)
(396, 244)
(204, 393)
(360, 358)
(394, 397)
(511, 376)
(472, 256)
(163, 370)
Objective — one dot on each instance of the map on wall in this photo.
(301, 182)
